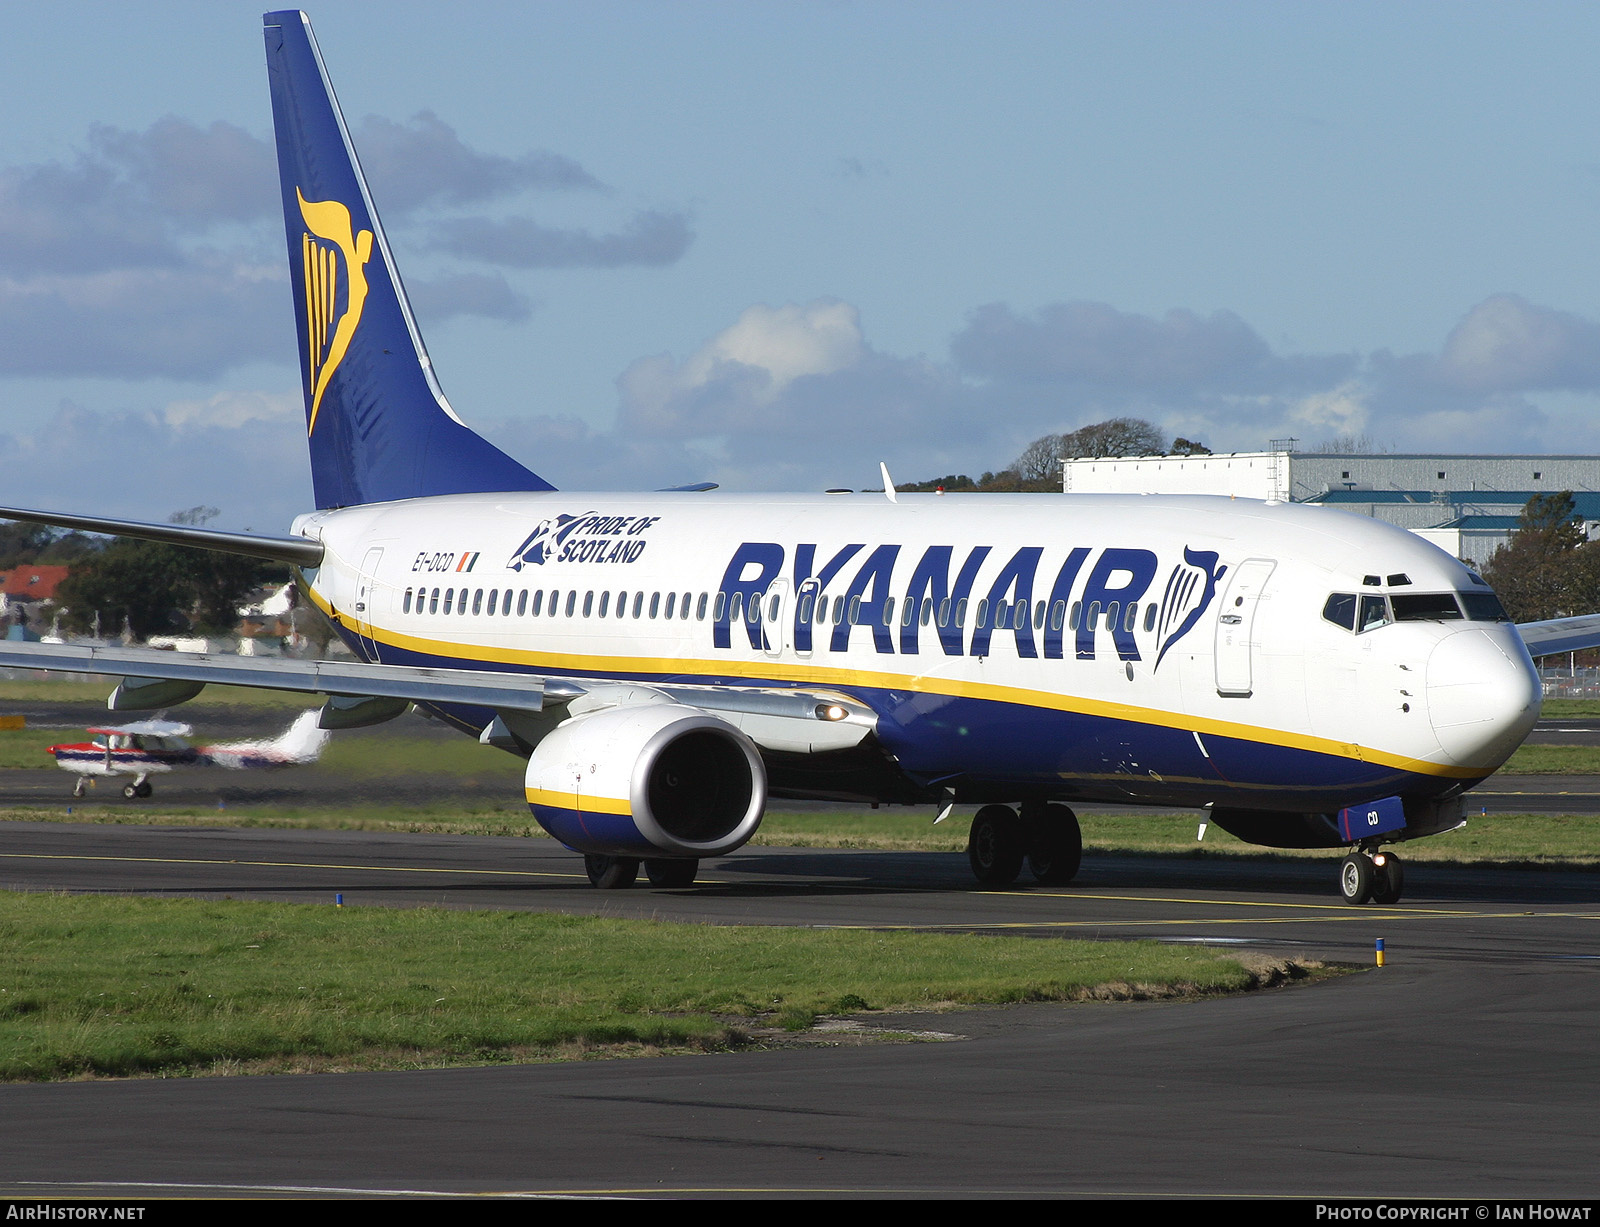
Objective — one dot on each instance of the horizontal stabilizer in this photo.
(297, 550)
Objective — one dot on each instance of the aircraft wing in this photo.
(150, 728)
(1561, 635)
(798, 721)
(483, 688)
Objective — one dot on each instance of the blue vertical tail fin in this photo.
(379, 425)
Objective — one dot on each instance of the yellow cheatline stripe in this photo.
(578, 805)
(824, 675)
(200, 860)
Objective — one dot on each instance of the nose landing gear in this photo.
(1376, 876)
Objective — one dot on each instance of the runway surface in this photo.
(1468, 1067)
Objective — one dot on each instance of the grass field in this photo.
(100, 986)
(97, 986)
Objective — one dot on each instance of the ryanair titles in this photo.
(1110, 592)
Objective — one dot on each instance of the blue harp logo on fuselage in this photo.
(330, 244)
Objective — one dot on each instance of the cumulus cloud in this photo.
(245, 454)
(741, 370)
(192, 176)
(234, 409)
(653, 237)
(189, 322)
(159, 252)
(423, 162)
(488, 296)
(796, 397)
(1506, 343)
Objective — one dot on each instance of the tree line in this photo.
(149, 587)
(1038, 468)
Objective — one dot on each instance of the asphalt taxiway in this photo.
(1467, 1067)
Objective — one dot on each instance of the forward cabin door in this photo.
(1236, 619)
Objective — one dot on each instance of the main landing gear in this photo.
(1376, 876)
(139, 788)
(620, 872)
(1047, 837)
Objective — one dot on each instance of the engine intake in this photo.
(648, 780)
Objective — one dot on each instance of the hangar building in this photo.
(1466, 505)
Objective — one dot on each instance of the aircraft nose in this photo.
(1483, 696)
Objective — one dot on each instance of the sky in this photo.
(772, 244)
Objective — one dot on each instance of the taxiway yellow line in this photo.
(180, 860)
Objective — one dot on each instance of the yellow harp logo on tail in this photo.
(329, 244)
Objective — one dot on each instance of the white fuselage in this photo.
(1166, 649)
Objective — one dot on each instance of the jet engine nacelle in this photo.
(647, 780)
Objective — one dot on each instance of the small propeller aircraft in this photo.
(150, 747)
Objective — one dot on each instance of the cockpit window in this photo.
(1341, 610)
(1425, 607)
(1374, 613)
(1483, 607)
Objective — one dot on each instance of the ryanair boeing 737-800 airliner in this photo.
(666, 662)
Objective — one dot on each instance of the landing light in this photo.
(831, 711)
